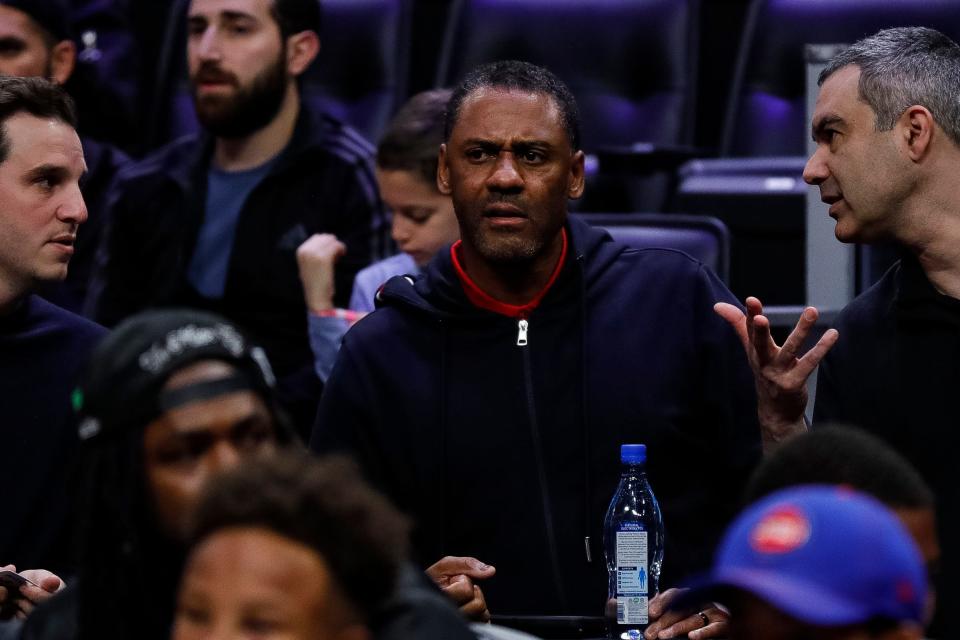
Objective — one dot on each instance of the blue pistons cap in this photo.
(827, 556)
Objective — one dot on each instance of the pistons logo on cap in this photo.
(781, 531)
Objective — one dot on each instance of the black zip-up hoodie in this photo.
(510, 453)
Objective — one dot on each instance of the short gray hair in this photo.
(906, 66)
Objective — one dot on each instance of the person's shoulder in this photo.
(336, 139)
(45, 316)
(174, 159)
(868, 308)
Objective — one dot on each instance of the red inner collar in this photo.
(483, 300)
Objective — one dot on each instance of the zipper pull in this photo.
(522, 333)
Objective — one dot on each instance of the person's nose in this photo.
(505, 175)
(73, 209)
(401, 229)
(208, 45)
(815, 172)
(223, 457)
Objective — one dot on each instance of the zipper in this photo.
(542, 474)
(522, 326)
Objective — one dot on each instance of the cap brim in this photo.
(801, 600)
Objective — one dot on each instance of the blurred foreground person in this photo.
(832, 455)
(170, 399)
(290, 547)
(819, 563)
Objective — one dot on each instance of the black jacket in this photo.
(894, 371)
(510, 454)
(323, 182)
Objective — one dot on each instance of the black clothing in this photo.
(510, 453)
(894, 371)
(322, 182)
(42, 349)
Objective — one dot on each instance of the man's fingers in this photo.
(459, 589)
(719, 629)
(661, 602)
(812, 358)
(763, 344)
(476, 609)
(694, 627)
(664, 622)
(45, 579)
(457, 565)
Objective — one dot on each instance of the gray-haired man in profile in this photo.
(887, 128)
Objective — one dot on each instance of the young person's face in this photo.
(423, 219)
(246, 582)
(510, 169)
(41, 207)
(187, 445)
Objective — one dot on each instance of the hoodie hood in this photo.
(440, 294)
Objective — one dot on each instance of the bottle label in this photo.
(632, 577)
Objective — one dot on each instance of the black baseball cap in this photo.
(122, 387)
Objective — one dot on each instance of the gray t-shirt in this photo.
(227, 191)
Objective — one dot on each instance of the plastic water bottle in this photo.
(633, 546)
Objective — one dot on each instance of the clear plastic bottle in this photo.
(633, 546)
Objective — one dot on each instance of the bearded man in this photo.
(214, 221)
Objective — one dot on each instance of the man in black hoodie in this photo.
(490, 397)
(42, 347)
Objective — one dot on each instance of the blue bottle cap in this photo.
(633, 453)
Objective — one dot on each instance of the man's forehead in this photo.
(16, 23)
(210, 8)
(508, 113)
(34, 139)
(840, 91)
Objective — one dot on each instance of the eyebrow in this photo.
(45, 170)
(517, 144)
(826, 121)
(229, 15)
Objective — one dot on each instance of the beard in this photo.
(249, 109)
(510, 249)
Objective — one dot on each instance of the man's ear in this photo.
(577, 176)
(302, 48)
(63, 59)
(916, 126)
(443, 172)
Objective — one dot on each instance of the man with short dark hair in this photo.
(42, 346)
(489, 398)
(36, 37)
(214, 222)
(887, 130)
